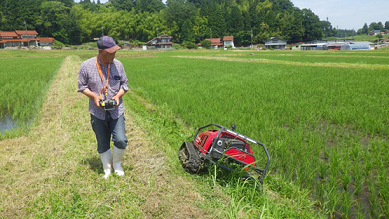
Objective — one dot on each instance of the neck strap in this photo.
(102, 78)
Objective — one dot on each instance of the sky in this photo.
(347, 14)
(344, 14)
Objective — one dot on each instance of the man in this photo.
(103, 78)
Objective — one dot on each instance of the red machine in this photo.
(212, 145)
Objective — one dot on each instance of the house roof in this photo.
(8, 34)
(335, 44)
(29, 32)
(169, 43)
(16, 40)
(215, 41)
(46, 39)
(228, 38)
(362, 42)
(164, 36)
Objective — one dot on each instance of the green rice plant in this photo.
(358, 180)
(315, 120)
(347, 202)
(24, 82)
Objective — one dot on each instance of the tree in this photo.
(234, 21)
(311, 25)
(187, 33)
(206, 44)
(376, 26)
(53, 20)
(387, 25)
(365, 29)
(178, 12)
(379, 36)
(126, 5)
(149, 5)
(328, 31)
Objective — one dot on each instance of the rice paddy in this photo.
(324, 117)
(23, 84)
(326, 128)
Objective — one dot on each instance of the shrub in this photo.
(190, 45)
(206, 44)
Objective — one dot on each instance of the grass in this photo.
(329, 122)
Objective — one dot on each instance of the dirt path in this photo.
(55, 170)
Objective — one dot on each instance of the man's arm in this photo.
(93, 96)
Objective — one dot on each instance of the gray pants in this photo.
(105, 128)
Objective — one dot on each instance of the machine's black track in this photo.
(189, 157)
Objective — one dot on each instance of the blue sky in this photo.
(344, 14)
(348, 14)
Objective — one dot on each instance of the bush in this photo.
(58, 44)
(177, 46)
(206, 44)
(190, 45)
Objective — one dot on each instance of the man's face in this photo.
(108, 57)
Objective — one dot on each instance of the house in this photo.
(314, 46)
(355, 47)
(371, 45)
(22, 38)
(27, 33)
(297, 46)
(46, 41)
(334, 45)
(161, 42)
(275, 43)
(215, 42)
(374, 32)
(228, 41)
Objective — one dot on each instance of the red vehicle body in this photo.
(211, 145)
(204, 142)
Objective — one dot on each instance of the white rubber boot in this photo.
(106, 159)
(117, 161)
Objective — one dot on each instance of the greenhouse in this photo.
(355, 47)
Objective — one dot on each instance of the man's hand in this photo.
(97, 99)
(118, 96)
(117, 99)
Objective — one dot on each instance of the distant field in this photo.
(326, 128)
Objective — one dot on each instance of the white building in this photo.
(228, 41)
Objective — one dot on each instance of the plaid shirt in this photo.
(89, 78)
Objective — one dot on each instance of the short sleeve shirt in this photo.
(89, 78)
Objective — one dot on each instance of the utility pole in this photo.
(157, 32)
(102, 31)
(25, 26)
(251, 38)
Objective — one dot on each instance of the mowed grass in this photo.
(326, 128)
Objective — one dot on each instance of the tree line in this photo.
(373, 26)
(186, 20)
